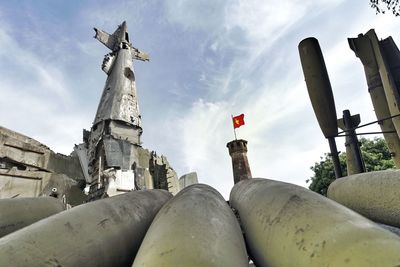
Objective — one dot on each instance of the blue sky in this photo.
(209, 59)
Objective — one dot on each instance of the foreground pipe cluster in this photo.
(282, 225)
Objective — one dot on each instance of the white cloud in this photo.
(196, 15)
(205, 130)
(244, 54)
(35, 99)
(284, 137)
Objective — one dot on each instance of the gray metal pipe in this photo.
(105, 232)
(318, 86)
(335, 157)
(373, 194)
(320, 93)
(196, 228)
(16, 213)
(288, 225)
(355, 161)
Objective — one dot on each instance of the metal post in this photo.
(335, 157)
(353, 145)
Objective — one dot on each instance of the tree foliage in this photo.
(376, 157)
(381, 6)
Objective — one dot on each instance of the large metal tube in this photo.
(373, 194)
(195, 228)
(318, 85)
(288, 225)
(320, 93)
(16, 213)
(105, 232)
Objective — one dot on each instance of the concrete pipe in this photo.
(196, 228)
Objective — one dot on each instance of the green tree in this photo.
(381, 6)
(376, 157)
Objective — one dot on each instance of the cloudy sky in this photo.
(209, 59)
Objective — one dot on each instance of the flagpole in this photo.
(234, 130)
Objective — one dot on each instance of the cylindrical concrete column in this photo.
(240, 164)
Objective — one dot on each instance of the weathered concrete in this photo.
(288, 225)
(106, 232)
(23, 183)
(28, 154)
(240, 163)
(30, 169)
(373, 194)
(188, 179)
(195, 228)
(16, 213)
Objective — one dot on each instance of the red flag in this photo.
(238, 121)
